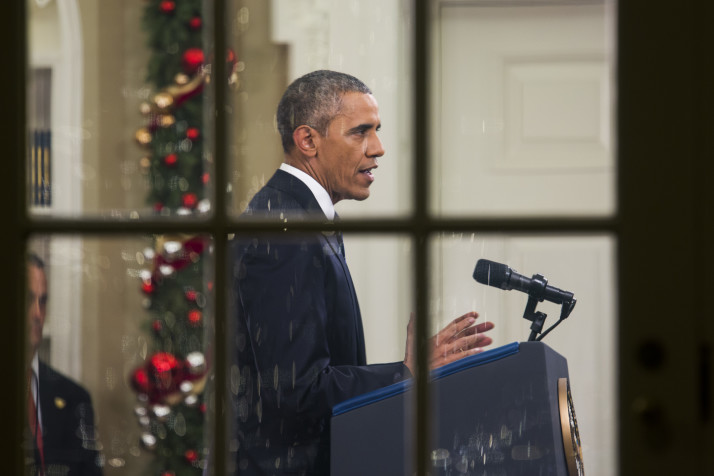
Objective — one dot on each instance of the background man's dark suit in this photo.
(67, 427)
(299, 337)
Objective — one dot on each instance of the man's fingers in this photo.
(453, 357)
(473, 314)
(484, 326)
(469, 342)
(467, 331)
(456, 326)
(459, 339)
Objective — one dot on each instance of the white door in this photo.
(524, 120)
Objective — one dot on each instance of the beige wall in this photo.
(112, 315)
(115, 61)
(256, 151)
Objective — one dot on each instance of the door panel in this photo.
(525, 111)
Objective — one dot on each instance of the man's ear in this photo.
(304, 139)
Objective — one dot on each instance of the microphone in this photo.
(501, 276)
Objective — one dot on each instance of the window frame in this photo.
(659, 398)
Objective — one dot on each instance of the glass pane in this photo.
(304, 348)
(118, 115)
(511, 407)
(280, 41)
(120, 328)
(524, 115)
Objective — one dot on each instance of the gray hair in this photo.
(36, 261)
(314, 100)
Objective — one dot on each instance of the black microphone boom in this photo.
(501, 276)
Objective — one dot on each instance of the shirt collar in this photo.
(35, 382)
(320, 194)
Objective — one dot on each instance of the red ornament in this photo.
(231, 56)
(158, 206)
(168, 473)
(140, 381)
(189, 200)
(163, 362)
(193, 133)
(148, 287)
(191, 295)
(191, 456)
(195, 23)
(195, 317)
(202, 408)
(167, 6)
(164, 371)
(205, 178)
(171, 160)
(192, 60)
(156, 326)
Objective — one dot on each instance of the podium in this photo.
(506, 411)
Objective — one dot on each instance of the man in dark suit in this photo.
(299, 338)
(60, 437)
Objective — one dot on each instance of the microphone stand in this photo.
(536, 293)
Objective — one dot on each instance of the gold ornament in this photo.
(145, 164)
(234, 81)
(163, 100)
(182, 89)
(145, 108)
(143, 136)
(166, 120)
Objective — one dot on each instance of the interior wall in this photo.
(254, 146)
(115, 59)
(114, 343)
(112, 314)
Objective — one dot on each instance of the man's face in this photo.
(348, 153)
(36, 305)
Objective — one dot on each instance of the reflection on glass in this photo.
(119, 331)
(135, 141)
(525, 119)
(509, 419)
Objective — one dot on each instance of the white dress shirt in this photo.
(321, 195)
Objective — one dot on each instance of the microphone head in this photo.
(492, 273)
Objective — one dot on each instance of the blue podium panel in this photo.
(496, 413)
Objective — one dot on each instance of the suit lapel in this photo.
(288, 184)
(48, 413)
(293, 186)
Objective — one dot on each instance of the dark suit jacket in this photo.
(69, 438)
(299, 338)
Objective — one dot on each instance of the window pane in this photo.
(130, 320)
(505, 415)
(299, 339)
(525, 118)
(117, 118)
(279, 41)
